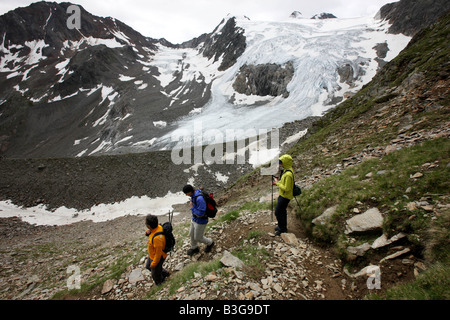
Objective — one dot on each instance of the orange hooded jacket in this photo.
(156, 246)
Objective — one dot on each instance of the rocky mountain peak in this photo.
(226, 41)
(296, 15)
(409, 16)
(47, 21)
(324, 15)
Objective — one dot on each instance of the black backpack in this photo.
(211, 205)
(297, 190)
(170, 239)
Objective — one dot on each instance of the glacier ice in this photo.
(317, 48)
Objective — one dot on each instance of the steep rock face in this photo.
(62, 88)
(227, 42)
(264, 80)
(410, 16)
(48, 22)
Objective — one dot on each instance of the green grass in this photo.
(255, 234)
(178, 279)
(252, 206)
(386, 189)
(433, 284)
(253, 258)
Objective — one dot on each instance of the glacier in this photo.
(317, 48)
(136, 94)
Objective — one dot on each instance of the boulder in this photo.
(395, 255)
(366, 271)
(359, 250)
(229, 260)
(370, 220)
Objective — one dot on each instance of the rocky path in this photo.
(269, 268)
(35, 261)
(286, 267)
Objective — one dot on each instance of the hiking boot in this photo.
(277, 228)
(279, 232)
(191, 252)
(165, 274)
(208, 248)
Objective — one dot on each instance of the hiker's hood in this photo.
(287, 161)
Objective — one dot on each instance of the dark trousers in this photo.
(281, 213)
(158, 274)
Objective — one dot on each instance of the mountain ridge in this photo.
(109, 76)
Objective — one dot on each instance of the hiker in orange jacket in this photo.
(156, 255)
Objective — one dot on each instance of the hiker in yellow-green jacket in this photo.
(286, 186)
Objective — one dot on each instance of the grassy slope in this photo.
(427, 56)
(408, 96)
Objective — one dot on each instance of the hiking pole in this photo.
(272, 199)
(170, 216)
(297, 203)
(170, 220)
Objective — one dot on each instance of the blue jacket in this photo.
(199, 208)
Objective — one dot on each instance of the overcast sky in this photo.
(182, 20)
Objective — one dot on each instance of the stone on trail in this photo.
(107, 286)
(135, 276)
(229, 260)
(289, 238)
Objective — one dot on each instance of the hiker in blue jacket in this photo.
(198, 222)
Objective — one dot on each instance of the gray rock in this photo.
(136, 276)
(366, 271)
(368, 221)
(278, 288)
(359, 250)
(179, 266)
(229, 260)
(289, 238)
(384, 241)
(395, 255)
(264, 79)
(325, 216)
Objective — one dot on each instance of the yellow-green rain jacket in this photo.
(286, 183)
